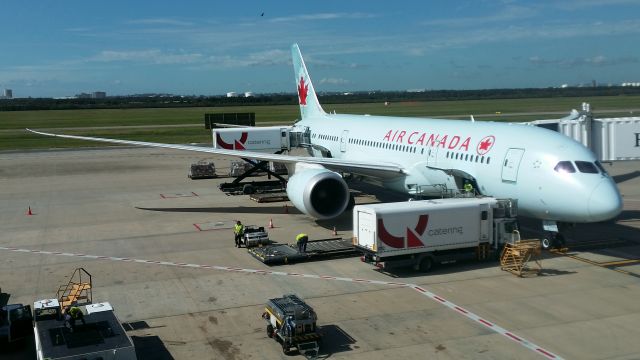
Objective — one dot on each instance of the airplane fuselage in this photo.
(506, 160)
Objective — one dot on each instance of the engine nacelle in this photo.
(319, 193)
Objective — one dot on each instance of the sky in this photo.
(196, 47)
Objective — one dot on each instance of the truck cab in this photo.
(15, 322)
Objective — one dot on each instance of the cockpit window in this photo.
(586, 167)
(599, 165)
(565, 167)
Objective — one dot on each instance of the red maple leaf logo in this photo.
(302, 91)
(485, 144)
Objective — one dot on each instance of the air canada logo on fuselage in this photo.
(237, 144)
(485, 144)
(412, 236)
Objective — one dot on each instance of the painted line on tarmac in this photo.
(460, 310)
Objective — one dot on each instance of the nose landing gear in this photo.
(553, 238)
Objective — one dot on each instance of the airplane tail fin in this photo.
(309, 105)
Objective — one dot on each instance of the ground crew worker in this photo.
(302, 240)
(238, 230)
(468, 188)
(72, 314)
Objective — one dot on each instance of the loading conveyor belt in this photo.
(277, 254)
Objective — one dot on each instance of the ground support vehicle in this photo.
(419, 234)
(15, 323)
(202, 170)
(252, 187)
(100, 336)
(270, 197)
(278, 254)
(292, 323)
(254, 236)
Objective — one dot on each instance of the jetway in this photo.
(611, 139)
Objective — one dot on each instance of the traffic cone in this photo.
(29, 212)
(335, 233)
(271, 224)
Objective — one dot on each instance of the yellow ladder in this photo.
(515, 257)
(78, 289)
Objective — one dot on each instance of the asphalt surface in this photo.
(192, 294)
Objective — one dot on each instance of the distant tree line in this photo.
(169, 101)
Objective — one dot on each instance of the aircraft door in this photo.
(432, 153)
(343, 140)
(511, 164)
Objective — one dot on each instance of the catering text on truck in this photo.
(422, 233)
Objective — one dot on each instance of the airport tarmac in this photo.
(191, 294)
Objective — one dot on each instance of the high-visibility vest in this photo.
(300, 236)
(75, 312)
(468, 187)
(238, 229)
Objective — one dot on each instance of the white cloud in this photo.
(598, 60)
(160, 21)
(153, 56)
(322, 16)
(334, 81)
(509, 13)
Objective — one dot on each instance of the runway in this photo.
(194, 295)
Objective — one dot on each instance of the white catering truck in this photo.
(268, 139)
(422, 233)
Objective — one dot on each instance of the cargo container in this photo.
(420, 234)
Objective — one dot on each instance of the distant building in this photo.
(93, 95)
(248, 94)
(232, 94)
(8, 93)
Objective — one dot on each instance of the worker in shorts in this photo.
(301, 241)
(238, 231)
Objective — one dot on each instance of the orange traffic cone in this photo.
(271, 224)
(29, 212)
(335, 233)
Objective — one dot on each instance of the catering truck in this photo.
(270, 139)
(420, 234)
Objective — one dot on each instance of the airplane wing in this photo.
(374, 169)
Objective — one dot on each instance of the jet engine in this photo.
(318, 192)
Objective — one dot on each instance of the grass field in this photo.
(187, 123)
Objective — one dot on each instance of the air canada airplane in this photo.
(553, 177)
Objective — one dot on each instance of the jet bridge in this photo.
(611, 139)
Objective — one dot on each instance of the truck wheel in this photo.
(546, 243)
(426, 264)
(270, 331)
(248, 189)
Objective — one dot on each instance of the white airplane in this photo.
(553, 177)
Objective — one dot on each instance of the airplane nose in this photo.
(605, 202)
